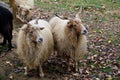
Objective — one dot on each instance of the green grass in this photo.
(116, 16)
(118, 60)
(18, 64)
(114, 38)
(3, 48)
(72, 5)
(117, 78)
(1, 77)
(105, 69)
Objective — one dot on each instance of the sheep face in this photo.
(77, 26)
(34, 33)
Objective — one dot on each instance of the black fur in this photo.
(6, 26)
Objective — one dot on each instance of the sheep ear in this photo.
(77, 16)
(41, 28)
(25, 27)
(70, 24)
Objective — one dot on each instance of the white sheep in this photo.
(35, 44)
(69, 37)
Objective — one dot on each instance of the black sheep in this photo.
(6, 26)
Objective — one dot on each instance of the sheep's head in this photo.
(77, 26)
(33, 33)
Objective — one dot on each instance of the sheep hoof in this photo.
(25, 73)
(9, 49)
(41, 75)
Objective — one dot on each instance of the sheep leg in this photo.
(68, 65)
(41, 74)
(10, 38)
(26, 70)
(76, 66)
(9, 45)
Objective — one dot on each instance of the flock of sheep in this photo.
(38, 39)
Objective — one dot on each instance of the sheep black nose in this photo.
(84, 32)
(40, 40)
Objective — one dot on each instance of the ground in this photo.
(102, 61)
